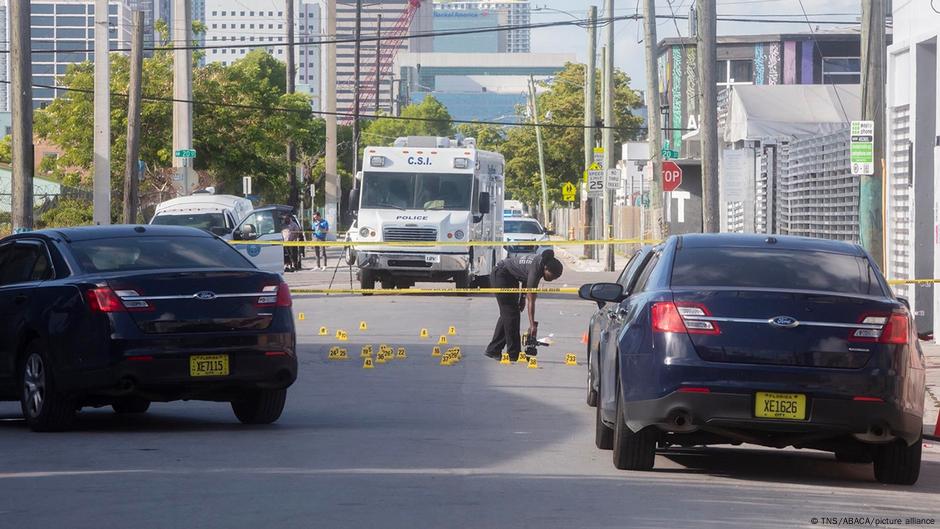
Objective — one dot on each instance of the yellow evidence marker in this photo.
(341, 335)
(342, 354)
(571, 359)
(442, 340)
(380, 358)
(533, 362)
(445, 359)
(402, 354)
(436, 351)
(522, 358)
(363, 326)
(367, 363)
(424, 333)
(301, 316)
(324, 331)
(457, 354)
(334, 351)
(504, 359)
(366, 351)
(452, 330)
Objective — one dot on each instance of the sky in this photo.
(628, 35)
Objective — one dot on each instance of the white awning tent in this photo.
(772, 112)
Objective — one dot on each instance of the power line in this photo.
(197, 102)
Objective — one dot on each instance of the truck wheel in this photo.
(349, 255)
(898, 464)
(262, 406)
(44, 407)
(366, 281)
(462, 280)
(632, 451)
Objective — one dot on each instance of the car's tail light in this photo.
(895, 329)
(103, 299)
(275, 296)
(665, 317)
(691, 312)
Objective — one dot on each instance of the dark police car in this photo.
(126, 315)
(778, 341)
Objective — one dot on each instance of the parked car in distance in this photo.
(528, 230)
(123, 316)
(217, 214)
(770, 340)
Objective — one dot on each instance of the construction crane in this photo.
(392, 40)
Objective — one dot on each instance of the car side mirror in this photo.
(905, 301)
(353, 205)
(548, 232)
(247, 231)
(606, 292)
(484, 202)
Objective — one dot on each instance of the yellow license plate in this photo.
(780, 405)
(208, 365)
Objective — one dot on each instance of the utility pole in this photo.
(708, 128)
(378, 62)
(870, 214)
(101, 186)
(182, 93)
(293, 200)
(653, 129)
(331, 184)
(356, 71)
(131, 169)
(589, 91)
(22, 107)
(610, 121)
(546, 220)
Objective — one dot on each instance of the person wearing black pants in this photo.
(522, 269)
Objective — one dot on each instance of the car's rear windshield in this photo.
(152, 253)
(521, 226)
(774, 269)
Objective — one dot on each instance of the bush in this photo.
(67, 212)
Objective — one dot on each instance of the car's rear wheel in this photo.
(591, 392)
(896, 463)
(603, 434)
(44, 407)
(262, 406)
(131, 405)
(632, 451)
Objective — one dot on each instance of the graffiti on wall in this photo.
(773, 63)
(691, 90)
(677, 98)
(789, 62)
(758, 64)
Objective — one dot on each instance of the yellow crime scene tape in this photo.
(431, 244)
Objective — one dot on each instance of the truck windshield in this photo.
(203, 221)
(448, 191)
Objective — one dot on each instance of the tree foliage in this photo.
(427, 118)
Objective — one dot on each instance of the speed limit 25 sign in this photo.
(672, 176)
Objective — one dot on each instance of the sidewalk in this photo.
(932, 398)
(573, 255)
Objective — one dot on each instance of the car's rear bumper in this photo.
(732, 415)
(158, 368)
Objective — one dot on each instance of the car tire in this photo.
(130, 405)
(896, 463)
(262, 406)
(603, 434)
(854, 454)
(632, 451)
(366, 281)
(44, 407)
(349, 255)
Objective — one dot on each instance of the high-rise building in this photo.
(63, 33)
(511, 13)
(391, 11)
(261, 24)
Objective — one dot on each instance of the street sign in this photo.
(595, 183)
(599, 156)
(613, 178)
(669, 154)
(246, 185)
(862, 148)
(185, 153)
(672, 176)
(569, 191)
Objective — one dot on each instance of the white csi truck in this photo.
(428, 189)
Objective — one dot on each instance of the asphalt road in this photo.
(415, 444)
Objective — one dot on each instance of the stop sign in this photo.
(672, 176)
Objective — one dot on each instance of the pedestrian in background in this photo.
(320, 228)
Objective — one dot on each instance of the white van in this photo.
(218, 214)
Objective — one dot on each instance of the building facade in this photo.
(913, 158)
(510, 12)
(233, 30)
(63, 33)
(450, 20)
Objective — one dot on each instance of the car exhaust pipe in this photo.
(127, 385)
(680, 421)
(877, 433)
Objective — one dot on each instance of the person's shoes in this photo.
(514, 358)
(494, 356)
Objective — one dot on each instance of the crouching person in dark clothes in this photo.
(527, 270)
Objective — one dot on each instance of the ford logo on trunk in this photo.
(205, 295)
(784, 322)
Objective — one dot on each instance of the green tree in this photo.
(427, 118)
(562, 103)
(488, 137)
